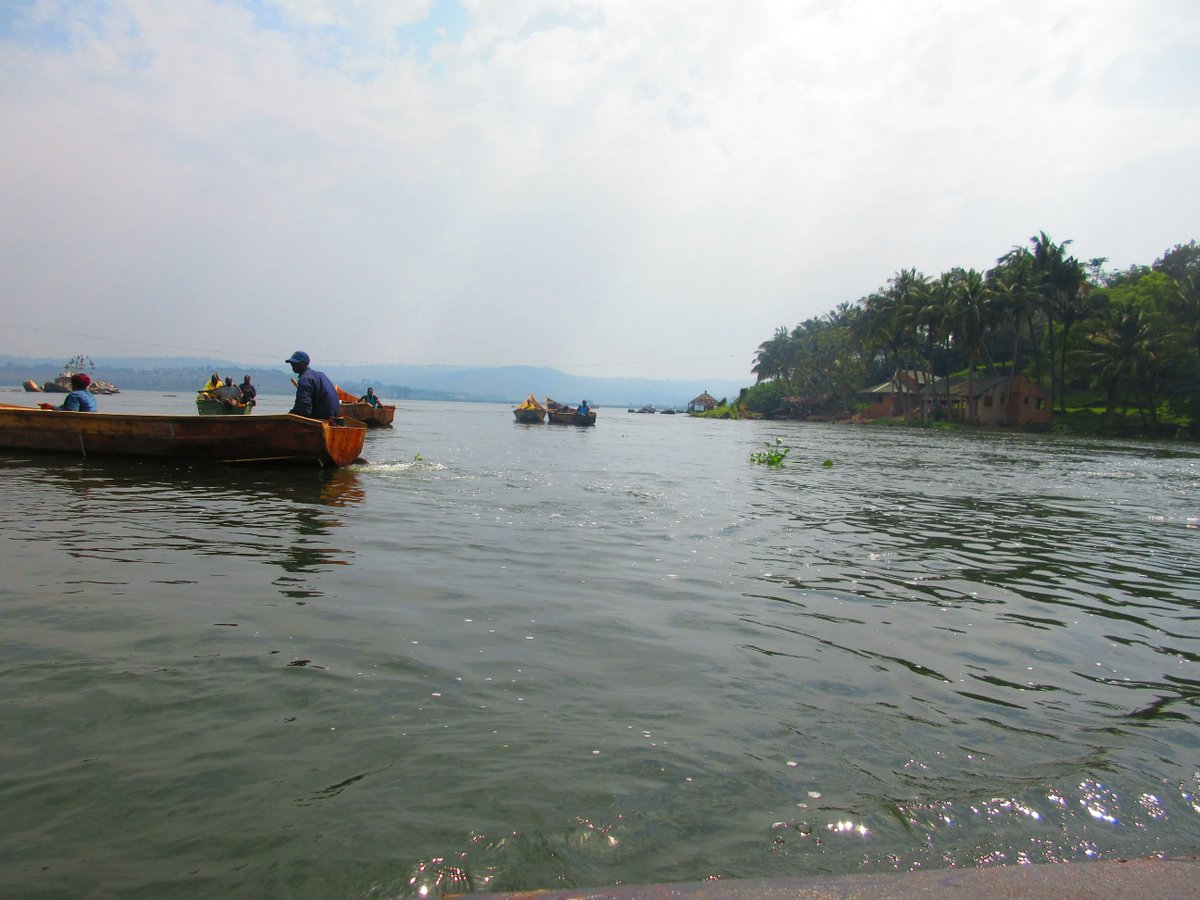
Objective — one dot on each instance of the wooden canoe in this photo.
(571, 417)
(279, 439)
(529, 416)
(372, 416)
(210, 406)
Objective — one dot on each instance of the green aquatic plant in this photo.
(416, 457)
(828, 464)
(773, 456)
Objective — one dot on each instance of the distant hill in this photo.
(502, 384)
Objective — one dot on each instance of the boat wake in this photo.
(412, 465)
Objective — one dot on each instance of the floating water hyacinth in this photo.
(773, 456)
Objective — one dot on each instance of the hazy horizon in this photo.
(617, 189)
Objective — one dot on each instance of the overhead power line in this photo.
(355, 362)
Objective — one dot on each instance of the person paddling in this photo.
(316, 397)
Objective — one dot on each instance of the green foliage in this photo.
(1132, 337)
(765, 399)
(773, 456)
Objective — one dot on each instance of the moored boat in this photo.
(530, 412)
(278, 439)
(372, 416)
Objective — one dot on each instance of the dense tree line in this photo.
(1128, 339)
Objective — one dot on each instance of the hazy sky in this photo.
(623, 187)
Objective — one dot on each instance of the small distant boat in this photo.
(352, 407)
(530, 412)
(372, 416)
(561, 414)
(271, 439)
(211, 406)
(648, 408)
(667, 412)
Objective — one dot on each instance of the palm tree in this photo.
(1014, 297)
(1117, 352)
(968, 318)
(772, 357)
(906, 296)
(1062, 284)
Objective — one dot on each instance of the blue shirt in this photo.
(316, 397)
(79, 401)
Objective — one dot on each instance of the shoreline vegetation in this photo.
(1116, 353)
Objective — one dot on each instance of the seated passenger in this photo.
(229, 393)
(80, 399)
(369, 397)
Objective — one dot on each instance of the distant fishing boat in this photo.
(380, 416)
(371, 415)
(530, 412)
(561, 414)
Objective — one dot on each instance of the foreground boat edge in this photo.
(283, 439)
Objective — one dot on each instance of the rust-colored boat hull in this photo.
(371, 416)
(279, 439)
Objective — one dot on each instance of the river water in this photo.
(504, 657)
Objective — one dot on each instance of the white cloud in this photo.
(565, 183)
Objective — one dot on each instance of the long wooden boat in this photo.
(571, 417)
(210, 406)
(279, 439)
(372, 416)
(528, 416)
(561, 414)
(530, 412)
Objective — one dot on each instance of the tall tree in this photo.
(1015, 296)
(1062, 284)
(772, 357)
(969, 318)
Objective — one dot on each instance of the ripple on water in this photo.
(539, 658)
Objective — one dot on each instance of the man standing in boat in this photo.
(316, 397)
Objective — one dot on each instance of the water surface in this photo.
(507, 657)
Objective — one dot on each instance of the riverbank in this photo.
(1080, 422)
